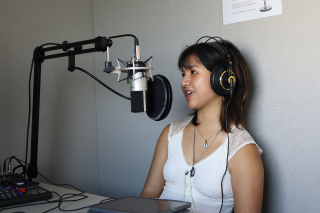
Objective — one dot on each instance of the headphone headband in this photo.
(219, 45)
(222, 78)
(218, 40)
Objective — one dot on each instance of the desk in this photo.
(92, 199)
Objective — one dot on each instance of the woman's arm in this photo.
(247, 177)
(155, 181)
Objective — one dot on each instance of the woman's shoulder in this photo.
(178, 126)
(240, 134)
(240, 137)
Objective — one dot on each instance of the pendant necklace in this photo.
(205, 145)
(193, 171)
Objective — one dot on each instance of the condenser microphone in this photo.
(153, 94)
(138, 84)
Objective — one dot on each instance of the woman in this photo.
(195, 160)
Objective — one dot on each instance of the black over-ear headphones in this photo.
(223, 79)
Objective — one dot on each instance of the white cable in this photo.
(193, 206)
(185, 183)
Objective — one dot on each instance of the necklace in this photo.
(205, 141)
(193, 171)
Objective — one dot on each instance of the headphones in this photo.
(223, 79)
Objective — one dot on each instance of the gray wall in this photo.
(126, 141)
(90, 138)
(283, 114)
(67, 134)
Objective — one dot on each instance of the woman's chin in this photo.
(192, 106)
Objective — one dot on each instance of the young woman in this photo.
(209, 153)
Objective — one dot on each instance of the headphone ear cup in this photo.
(219, 79)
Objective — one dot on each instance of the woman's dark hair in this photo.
(210, 58)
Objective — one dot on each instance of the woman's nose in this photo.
(185, 81)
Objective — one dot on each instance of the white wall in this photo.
(126, 141)
(67, 134)
(88, 135)
(283, 114)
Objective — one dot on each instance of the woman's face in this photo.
(196, 85)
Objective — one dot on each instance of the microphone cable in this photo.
(4, 170)
(62, 198)
(29, 113)
(28, 125)
(103, 84)
(29, 109)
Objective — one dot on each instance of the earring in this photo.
(223, 98)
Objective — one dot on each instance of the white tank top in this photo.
(204, 189)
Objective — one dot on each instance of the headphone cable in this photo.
(227, 151)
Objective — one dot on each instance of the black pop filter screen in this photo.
(159, 98)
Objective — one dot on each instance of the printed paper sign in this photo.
(244, 10)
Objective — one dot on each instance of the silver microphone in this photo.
(137, 77)
(138, 84)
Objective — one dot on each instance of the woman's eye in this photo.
(183, 74)
(193, 72)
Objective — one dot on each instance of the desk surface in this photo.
(92, 199)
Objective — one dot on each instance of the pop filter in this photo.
(159, 98)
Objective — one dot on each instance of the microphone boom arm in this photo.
(101, 44)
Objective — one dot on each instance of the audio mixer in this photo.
(16, 190)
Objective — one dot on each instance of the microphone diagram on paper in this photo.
(244, 10)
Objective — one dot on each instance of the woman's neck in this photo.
(209, 118)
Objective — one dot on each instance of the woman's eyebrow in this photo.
(190, 66)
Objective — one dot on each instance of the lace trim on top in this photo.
(178, 126)
(239, 136)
